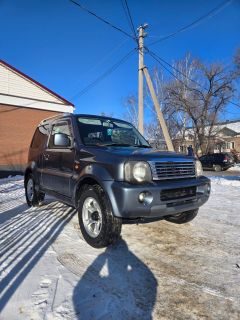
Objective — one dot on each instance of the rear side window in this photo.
(40, 137)
(220, 156)
(214, 157)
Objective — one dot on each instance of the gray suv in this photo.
(111, 175)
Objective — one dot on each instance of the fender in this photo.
(91, 172)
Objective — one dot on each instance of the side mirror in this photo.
(61, 140)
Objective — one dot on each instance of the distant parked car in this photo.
(217, 161)
(235, 155)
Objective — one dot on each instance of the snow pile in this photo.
(236, 168)
(11, 178)
(11, 193)
(233, 181)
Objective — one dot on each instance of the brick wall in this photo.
(17, 125)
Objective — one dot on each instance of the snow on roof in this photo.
(232, 125)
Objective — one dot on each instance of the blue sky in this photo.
(66, 49)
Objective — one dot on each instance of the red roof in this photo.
(36, 82)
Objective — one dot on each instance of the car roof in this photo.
(51, 119)
(67, 115)
(97, 117)
(215, 154)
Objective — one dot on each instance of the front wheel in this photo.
(33, 197)
(182, 217)
(99, 226)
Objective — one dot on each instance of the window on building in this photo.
(230, 145)
(182, 149)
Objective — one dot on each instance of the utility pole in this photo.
(140, 77)
(142, 70)
(158, 110)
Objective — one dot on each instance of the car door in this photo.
(204, 161)
(213, 159)
(217, 160)
(57, 161)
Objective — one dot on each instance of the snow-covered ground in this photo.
(236, 168)
(157, 271)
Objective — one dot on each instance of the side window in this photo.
(203, 158)
(215, 157)
(61, 127)
(40, 137)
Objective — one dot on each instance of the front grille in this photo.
(172, 170)
(179, 193)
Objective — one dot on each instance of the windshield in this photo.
(109, 132)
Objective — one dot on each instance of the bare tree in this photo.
(195, 98)
(237, 61)
(131, 109)
(202, 98)
(175, 119)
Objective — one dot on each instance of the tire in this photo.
(104, 228)
(33, 197)
(183, 217)
(217, 168)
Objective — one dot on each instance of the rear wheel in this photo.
(182, 217)
(33, 197)
(99, 226)
(217, 168)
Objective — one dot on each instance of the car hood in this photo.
(146, 154)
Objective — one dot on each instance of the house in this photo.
(24, 102)
(225, 137)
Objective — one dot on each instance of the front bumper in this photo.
(124, 198)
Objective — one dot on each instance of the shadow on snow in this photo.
(117, 285)
(24, 238)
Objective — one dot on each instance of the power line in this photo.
(161, 64)
(101, 77)
(160, 61)
(225, 111)
(156, 57)
(102, 19)
(210, 14)
(131, 20)
(104, 58)
(235, 104)
(126, 14)
(107, 55)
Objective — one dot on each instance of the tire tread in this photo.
(112, 224)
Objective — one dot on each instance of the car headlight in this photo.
(137, 171)
(198, 168)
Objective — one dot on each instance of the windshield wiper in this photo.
(126, 145)
(141, 146)
(117, 145)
